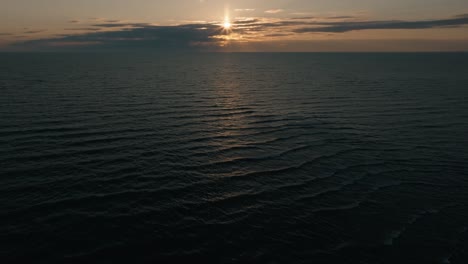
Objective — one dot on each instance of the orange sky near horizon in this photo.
(275, 25)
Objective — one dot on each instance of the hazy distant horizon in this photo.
(226, 52)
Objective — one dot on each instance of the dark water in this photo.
(227, 158)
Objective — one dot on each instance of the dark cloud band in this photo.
(339, 27)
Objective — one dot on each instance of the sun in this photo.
(227, 25)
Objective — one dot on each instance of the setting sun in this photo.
(227, 25)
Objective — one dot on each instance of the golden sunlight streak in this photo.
(227, 25)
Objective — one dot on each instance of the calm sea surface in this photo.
(228, 158)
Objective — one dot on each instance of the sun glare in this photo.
(227, 25)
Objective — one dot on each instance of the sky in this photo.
(234, 25)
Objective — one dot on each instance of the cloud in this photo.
(304, 18)
(329, 17)
(340, 17)
(244, 10)
(277, 35)
(274, 11)
(249, 21)
(139, 35)
(120, 25)
(34, 31)
(84, 29)
(346, 26)
(330, 25)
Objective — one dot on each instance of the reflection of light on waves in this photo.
(229, 98)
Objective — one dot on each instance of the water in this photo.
(226, 158)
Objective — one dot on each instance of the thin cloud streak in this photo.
(34, 31)
(274, 11)
(119, 25)
(340, 27)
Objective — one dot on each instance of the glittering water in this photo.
(226, 158)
